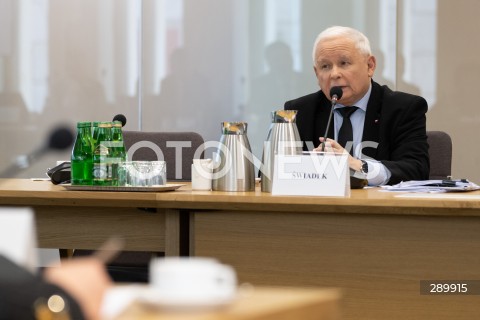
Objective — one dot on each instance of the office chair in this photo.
(142, 146)
(132, 266)
(440, 152)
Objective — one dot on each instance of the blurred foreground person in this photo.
(73, 290)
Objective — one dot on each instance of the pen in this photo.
(109, 249)
(448, 181)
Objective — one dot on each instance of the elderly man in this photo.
(383, 130)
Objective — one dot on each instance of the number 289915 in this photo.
(448, 288)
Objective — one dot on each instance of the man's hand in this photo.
(334, 147)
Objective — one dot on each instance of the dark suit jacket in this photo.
(395, 120)
(20, 290)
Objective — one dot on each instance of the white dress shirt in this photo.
(378, 174)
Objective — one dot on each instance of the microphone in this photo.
(336, 94)
(59, 139)
(121, 118)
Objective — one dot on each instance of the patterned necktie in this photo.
(345, 134)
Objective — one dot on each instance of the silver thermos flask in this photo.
(283, 138)
(233, 167)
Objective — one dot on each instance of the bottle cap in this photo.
(84, 124)
(105, 125)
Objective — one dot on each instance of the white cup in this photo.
(202, 173)
(192, 282)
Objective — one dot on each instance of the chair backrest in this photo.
(440, 153)
(177, 148)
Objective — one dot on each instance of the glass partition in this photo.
(186, 65)
(213, 60)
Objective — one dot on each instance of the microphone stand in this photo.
(59, 139)
(334, 102)
(21, 163)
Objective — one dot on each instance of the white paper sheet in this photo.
(432, 186)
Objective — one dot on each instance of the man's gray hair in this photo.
(361, 41)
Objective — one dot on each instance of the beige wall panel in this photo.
(458, 79)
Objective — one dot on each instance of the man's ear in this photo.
(372, 64)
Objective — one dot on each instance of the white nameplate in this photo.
(313, 174)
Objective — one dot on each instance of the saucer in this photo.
(158, 298)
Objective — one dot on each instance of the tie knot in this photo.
(346, 112)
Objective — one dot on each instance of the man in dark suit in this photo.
(387, 137)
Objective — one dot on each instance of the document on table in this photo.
(433, 186)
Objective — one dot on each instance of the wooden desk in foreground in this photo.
(86, 219)
(260, 304)
(375, 246)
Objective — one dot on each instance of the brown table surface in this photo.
(28, 192)
(260, 304)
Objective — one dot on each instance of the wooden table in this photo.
(85, 219)
(375, 246)
(260, 304)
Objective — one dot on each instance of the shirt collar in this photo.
(362, 103)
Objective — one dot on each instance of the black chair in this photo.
(168, 143)
(440, 152)
(132, 266)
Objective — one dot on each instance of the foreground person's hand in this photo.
(85, 279)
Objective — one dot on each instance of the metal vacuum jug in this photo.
(233, 167)
(283, 138)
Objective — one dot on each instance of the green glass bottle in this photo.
(119, 153)
(94, 130)
(102, 164)
(119, 150)
(82, 155)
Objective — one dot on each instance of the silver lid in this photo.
(284, 116)
(234, 128)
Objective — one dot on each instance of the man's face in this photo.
(340, 63)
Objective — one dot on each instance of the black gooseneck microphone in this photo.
(336, 94)
(59, 138)
(121, 118)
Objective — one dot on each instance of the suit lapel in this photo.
(371, 128)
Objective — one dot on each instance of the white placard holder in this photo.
(18, 237)
(312, 174)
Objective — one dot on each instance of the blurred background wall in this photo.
(187, 65)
